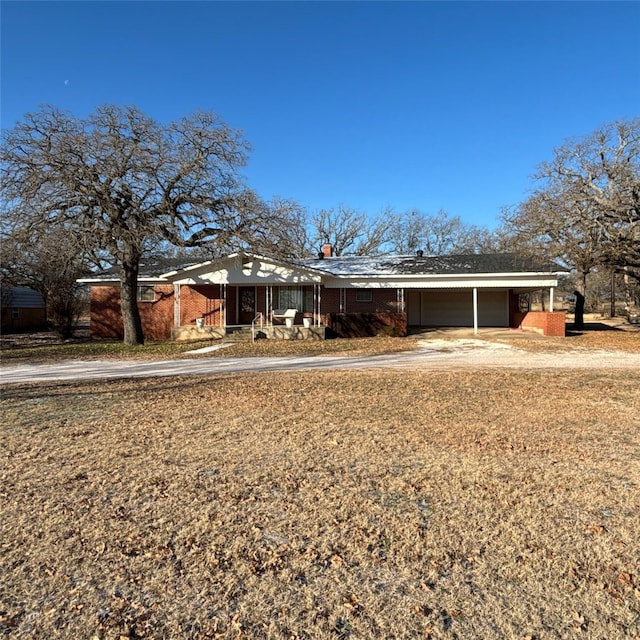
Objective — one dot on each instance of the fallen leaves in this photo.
(254, 506)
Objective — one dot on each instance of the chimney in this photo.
(327, 250)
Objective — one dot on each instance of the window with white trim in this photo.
(146, 293)
(300, 298)
(363, 295)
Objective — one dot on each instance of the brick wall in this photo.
(382, 301)
(359, 325)
(549, 323)
(106, 316)
(200, 301)
(329, 300)
(106, 319)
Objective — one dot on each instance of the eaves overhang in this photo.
(444, 281)
(111, 281)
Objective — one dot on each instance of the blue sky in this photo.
(428, 105)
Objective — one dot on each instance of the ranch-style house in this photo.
(331, 296)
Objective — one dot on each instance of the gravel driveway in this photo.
(429, 355)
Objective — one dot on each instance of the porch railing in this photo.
(258, 319)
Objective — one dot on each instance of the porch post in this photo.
(223, 302)
(316, 305)
(475, 310)
(319, 300)
(550, 298)
(176, 305)
(268, 302)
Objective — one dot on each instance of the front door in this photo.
(247, 307)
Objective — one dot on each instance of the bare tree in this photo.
(48, 262)
(122, 183)
(536, 231)
(482, 240)
(406, 235)
(585, 209)
(283, 230)
(594, 183)
(436, 234)
(349, 231)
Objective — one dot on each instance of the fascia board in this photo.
(246, 269)
(116, 281)
(443, 282)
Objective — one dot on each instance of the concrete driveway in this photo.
(462, 354)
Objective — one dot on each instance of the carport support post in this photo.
(551, 299)
(475, 310)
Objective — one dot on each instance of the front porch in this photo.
(244, 333)
(221, 306)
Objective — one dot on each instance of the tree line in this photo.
(116, 188)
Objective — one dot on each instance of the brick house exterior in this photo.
(106, 317)
(21, 309)
(345, 295)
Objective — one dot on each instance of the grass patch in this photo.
(323, 505)
(592, 339)
(379, 345)
(104, 350)
(95, 350)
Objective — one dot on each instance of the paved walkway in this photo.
(431, 355)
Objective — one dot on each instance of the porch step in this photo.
(238, 334)
(278, 332)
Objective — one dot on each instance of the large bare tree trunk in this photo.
(580, 292)
(131, 321)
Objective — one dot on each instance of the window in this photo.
(146, 293)
(300, 298)
(364, 296)
(15, 313)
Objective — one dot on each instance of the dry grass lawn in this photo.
(595, 337)
(323, 505)
(14, 353)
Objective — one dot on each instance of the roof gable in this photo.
(21, 297)
(244, 268)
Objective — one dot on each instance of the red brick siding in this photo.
(157, 316)
(357, 325)
(200, 301)
(106, 315)
(329, 300)
(549, 323)
(382, 300)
